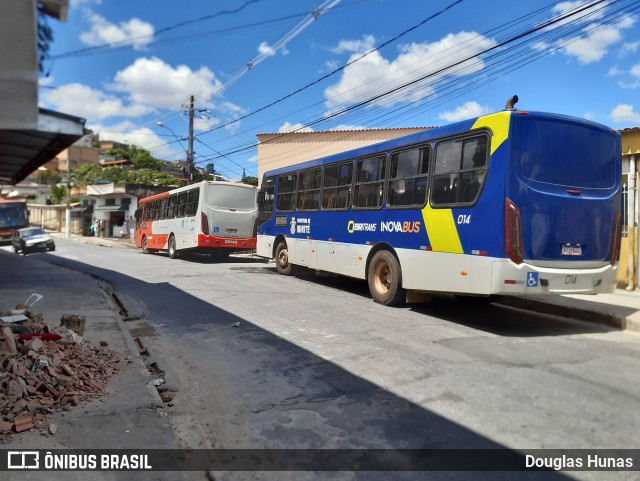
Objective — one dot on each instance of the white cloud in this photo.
(265, 49)
(289, 127)
(465, 111)
(586, 15)
(135, 32)
(355, 46)
(78, 3)
(635, 70)
(205, 123)
(595, 41)
(614, 72)
(374, 74)
(630, 47)
(83, 101)
(349, 127)
(624, 113)
(150, 81)
(129, 133)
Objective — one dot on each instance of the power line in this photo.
(515, 37)
(93, 49)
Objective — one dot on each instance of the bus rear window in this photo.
(566, 154)
(230, 196)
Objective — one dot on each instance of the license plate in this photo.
(571, 250)
(41, 245)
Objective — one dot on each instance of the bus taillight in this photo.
(513, 231)
(205, 223)
(615, 249)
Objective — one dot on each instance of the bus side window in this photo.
(309, 190)
(192, 201)
(408, 177)
(370, 174)
(460, 170)
(286, 192)
(336, 186)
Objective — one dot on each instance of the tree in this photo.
(140, 158)
(45, 38)
(58, 194)
(251, 180)
(47, 177)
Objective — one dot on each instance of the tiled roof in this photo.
(353, 130)
(629, 129)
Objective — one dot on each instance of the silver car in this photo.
(32, 239)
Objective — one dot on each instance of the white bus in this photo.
(208, 217)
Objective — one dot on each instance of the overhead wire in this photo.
(513, 38)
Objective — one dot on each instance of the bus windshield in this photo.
(230, 196)
(565, 154)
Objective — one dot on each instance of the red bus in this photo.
(13, 216)
(208, 217)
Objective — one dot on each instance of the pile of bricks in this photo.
(39, 375)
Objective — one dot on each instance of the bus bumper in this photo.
(226, 242)
(525, 279)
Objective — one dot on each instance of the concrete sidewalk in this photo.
(129, 414)
(620, 309)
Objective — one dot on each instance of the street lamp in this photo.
(160, 124)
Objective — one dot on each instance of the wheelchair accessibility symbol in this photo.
(532, 279)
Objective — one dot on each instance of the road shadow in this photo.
(368, 415)
(494, 318)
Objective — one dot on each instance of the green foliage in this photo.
(140, 158)
(250, 180)
(58, 194)
(47, 177)
(88, 174)
(45, 38)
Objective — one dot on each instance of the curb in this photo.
(156, 401)
(573, 312)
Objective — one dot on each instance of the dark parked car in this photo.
(32, 239)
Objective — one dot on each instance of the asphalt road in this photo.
(315, 363)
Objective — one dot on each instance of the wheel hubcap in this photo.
(283, 258)
(382, 275)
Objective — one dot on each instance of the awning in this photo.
(110, 208)
(23, 151)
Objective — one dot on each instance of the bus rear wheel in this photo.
(145, 249)
(283, 265)
(173, 252)
(385, 278)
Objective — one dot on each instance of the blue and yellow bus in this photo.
(511, 203)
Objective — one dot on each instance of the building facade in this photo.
(282, 149)
(630, 250)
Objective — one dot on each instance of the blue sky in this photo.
(262, 66)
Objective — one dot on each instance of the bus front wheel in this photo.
(385, 278)
(173, 252)
(283, 265)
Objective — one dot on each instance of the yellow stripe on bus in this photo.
(499, 124)
(441, 229)
(440, 224)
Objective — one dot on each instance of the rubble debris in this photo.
(43, 372)
(74, 322)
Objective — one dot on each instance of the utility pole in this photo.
(190, 151)
(67, 216)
